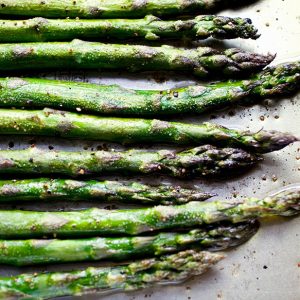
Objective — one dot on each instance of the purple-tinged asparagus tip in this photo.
(269, 141)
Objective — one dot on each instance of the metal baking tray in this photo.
(266, 267)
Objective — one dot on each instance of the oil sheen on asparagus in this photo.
(148, 28)
(32, 252)
(275, 81)
(166, 269)
(29, 224)
(55, 123)
(202, 61)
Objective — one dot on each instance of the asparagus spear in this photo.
(23, 224)
(141, 274)
(110, 8)
(201, 161)
(73, 190)
(39, 93)
(149, 28)
(202, 61)
(50, 122)
(32, 252)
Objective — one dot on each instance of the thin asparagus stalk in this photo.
(149, 28)
(202, 61)
(50, 122)
(47, 189)
(32, 252)
(27, 224)
(275, 81)
(201, 161)
(141, 274)
(111, 8)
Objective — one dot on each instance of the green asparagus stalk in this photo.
(141, 274)
(50, 122)
(24, 224)
(202, 61)
(32, 252)
(110, 8)
(149, 28)
(201, 161)
(114, 100)
(47, 189)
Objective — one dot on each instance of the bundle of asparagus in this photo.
(171, 267)
(40, 251)
(172, 239)
(38, 224)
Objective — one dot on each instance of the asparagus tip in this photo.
(269, 141)
(279, 80)
(185, 263)
(287, 202)
(248, 60)
(193, 261)
(235, 235)
(207, 160)
(249, 31)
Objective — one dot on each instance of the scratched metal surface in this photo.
(265, 268)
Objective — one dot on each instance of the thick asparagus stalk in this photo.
(32, 252)
(140, 274)
(50, 122)
(23, 224)
(149, 28)
(202, 61)
(73, 190)
(114, 100)
(110, 8)
(201, 161)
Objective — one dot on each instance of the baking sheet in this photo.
(267, 267)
